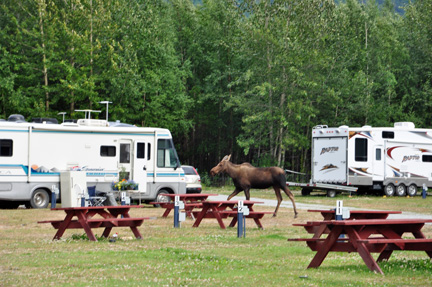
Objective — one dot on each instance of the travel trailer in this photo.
(34, 155)
(395, 160)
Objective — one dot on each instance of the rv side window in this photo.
(387, 135)
(124, 153)
(166, 155)
(6, 147)
(378, 154)
(148, 151)
(106, 150)
(140, 150)
(361, 150)
(427, 158)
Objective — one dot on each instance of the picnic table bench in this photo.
(366, 236)
(108, 217)
(191, 201)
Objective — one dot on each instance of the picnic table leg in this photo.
(233, 221)
(167, 211)
(63, 226)
(200, 216)
(326, 246)
(363, 251)
(86, 226)
(218, 218)
(107, 232)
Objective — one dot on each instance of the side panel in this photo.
(329, 156)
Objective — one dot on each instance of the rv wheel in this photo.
(331, 193)
(161, 198)
(39, 199)
(389, 189)
(412, 190)
(401, 190)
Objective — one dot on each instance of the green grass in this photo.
(189, 256)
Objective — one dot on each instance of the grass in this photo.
(206, 255)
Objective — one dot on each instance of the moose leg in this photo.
(247, 193)
(279, 199)
(291, 196)
(235, 192)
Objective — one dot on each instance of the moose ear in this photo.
(229, 157)
(225, 158)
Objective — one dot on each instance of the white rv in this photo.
(33, 155)
(396, 160)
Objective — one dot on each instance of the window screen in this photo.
(124, 153)
(6, 147)
(140, 150)
(106, 150)
(387, 135)
(378, 154)
(427, 158)
(361, 150)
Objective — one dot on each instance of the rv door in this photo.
(132, 160)
(329, 159)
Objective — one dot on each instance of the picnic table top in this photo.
(372, 222)
(357, 211)
(247, 202)
(186, 195)
(98, 207)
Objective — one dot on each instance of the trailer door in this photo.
(329, 159)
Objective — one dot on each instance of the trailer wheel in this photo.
(161, 198)
(401, 190)
(331, 193)
(305, 191)
(412, 190)
(39, 199)
(389, 189)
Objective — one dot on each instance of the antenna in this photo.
(88, 113)
(63, 114)
(107, 103)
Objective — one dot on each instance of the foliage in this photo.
(124, 185)
(247, 78)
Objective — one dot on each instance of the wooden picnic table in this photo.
(95, 217)
(191, 201)
(366, 236)
(223, 209)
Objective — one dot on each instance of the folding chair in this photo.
(93, 199)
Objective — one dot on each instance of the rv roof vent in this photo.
(45, 120)
(93, 123)
(367, 127)
(16, 118)
(320, 127)
(406, 125)
(343, 127)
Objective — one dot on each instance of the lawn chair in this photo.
(93, 199)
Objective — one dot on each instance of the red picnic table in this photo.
(329, 214)
(191, 201)
(106, 216)
(224, 209)
(366, 236)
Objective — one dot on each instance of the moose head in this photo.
(221, 167)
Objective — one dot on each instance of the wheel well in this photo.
(167, 189)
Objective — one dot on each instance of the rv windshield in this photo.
(166, 155)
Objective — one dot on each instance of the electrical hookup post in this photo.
(242, 212)
(424, 191)
(178, 216)
(341, 213)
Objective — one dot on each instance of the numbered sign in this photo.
(240, 206)
(339, 207)
(123, 196)
(177, 200)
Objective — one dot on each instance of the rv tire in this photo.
(8, 205)
(305, 191)
(331, 193)
(161, 198)
(412, 190)
(401, 190)
(39, 199)
(389, 189)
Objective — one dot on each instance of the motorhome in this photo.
(395, 160)
(33, 155)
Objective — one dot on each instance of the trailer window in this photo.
(6, 147)
(361, 150)
(387, 135)
(106, 150)
(427, 158)
(140, 150)
(378, 154)
(124, 153)
(166, 154)
(148, 151)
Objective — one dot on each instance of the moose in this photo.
(245, 176)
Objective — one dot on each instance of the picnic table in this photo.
(227, 208)
(191, 201)
(366, 236)
(91, 217)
